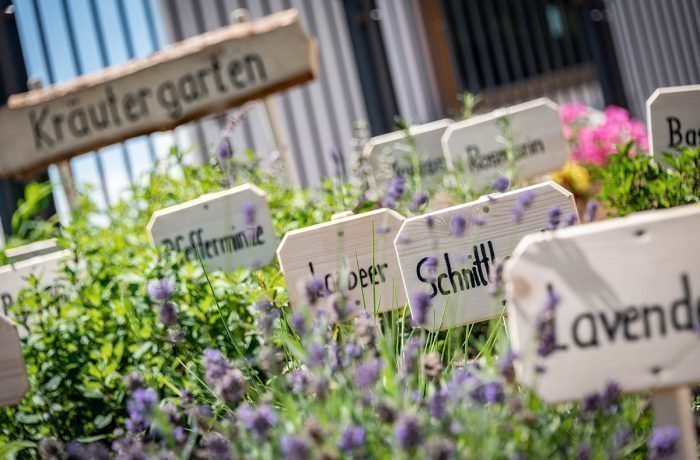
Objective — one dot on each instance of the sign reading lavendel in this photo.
(201, 75)
(479, 144)
(626, 305)
(451, 255)
(227, 230)
(673, 119)
(398, 151)
(354, 255)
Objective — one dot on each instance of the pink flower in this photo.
(572, 111)
(616, 115)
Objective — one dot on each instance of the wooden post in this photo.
(672, 407)
(64, 169)
(238, 16)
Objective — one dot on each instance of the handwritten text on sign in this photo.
(354, 254)
(13, 374)
(14, 277)
(628, 310)
(455, 269)
(227, 230)
(673, 118)
(479, 144)
(396, 150)
(202, 75)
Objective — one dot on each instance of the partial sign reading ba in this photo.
(673, 118)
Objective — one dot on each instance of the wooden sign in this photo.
(673, 119)
(13, 374)
(227, 230)
(13, 277)
(450, 255)
(479, 145)
(198, 76)
(614, 301)
(396, 152)
(353, 254)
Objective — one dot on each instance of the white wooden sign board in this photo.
(629, 305)
(13, 277)
(193, 78)
(459, 287)
(359, 249)
(215, 226)
(13, 374)
(394, 149)
(673, 118)
(478, 145)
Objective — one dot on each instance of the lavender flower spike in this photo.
(249, 212)
(352, 437)
(663, 442)
(458, 225)
(161, 290)
(223, 150)
(501, 184)
(407, 431)
(420, 300)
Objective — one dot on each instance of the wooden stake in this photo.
(672, 407)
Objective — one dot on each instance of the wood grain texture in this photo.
(14, 277)
(477, 145)
(13, 374)
(218, 221)
(356, 251)
(618, 281)
(155, 93)
(393, 152)
(681, 104)
(458, 305)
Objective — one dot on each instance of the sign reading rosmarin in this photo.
(201, 75)
(480, 145)
(448, 258)
(226, 230)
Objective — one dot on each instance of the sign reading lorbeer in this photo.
(673, 118)
(13, 374)
(450, 255)
(227, 230)
(13, 277)
(397, 151)
(617, 300)
(201, 75)
(479, 145)
(353, 255)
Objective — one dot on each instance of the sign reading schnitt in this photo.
(354, 255)
(616, 300)
(193, 78)
(450, 255)
(479, 145)
(227, 230)
(673, 119)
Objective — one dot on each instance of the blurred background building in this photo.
(379, 59)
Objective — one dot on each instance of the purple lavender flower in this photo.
(50, 448)
(591, 402)
(420, 300)
(388, 202)
(223, 150)
(367, 373)
(217, 447)
(299, 381)
(266, 316)
(621, 438)
(316, 355)
(611, 395)
(179, 435)
(215, 363)
(383, 229)
(352, 437)
(439, 448)
(501, 184)
(139, 407)
(478, 220)
(458, 225)
(545, 324)
(418, 200)
(249, 212)
(315, 290)
(430, 221)
(407, 431)
(161, 290)
(396, 189)
(436, 405)
(591, 210)
(133, 381)
(168, 314)
(410, 355)
(570, 219)
(505, 366)
(294, 448)
(524, 201)
(258, 420)
(299, 324)
(552, 300)
(517, 214)
(583, 452)
(554, 217)
(353, 350)
(228, 381)
(493, 392)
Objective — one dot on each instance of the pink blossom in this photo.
(572, 112)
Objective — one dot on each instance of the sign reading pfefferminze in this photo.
(352, 255)
(201, 75)
(617, 300)
(480, 144)
(450, 255)
(13, 374)
(227, 230)
(400, 153)
(14, 277)
(673, 118)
